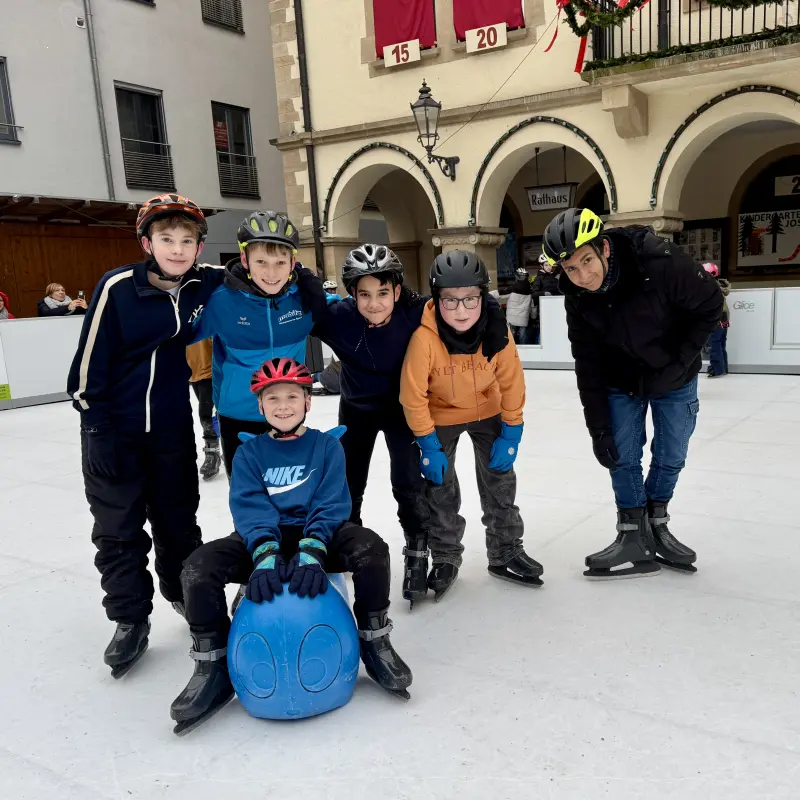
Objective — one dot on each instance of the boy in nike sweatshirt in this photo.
(290, 504)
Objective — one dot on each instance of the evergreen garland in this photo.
(594, 17)
(778, 36)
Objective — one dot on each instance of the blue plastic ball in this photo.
(294, 657)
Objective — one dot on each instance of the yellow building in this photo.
(684, 117)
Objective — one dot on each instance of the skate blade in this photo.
(645, 569)
(685, 568)
(210, 477)
(187, 726)
(400, 694)
(123, 669)
(520, 580)
(439, 595)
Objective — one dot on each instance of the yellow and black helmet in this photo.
(268, 226)
(570, 230)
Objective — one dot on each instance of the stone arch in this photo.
(346, 197)
(721, 113)
(517, 146)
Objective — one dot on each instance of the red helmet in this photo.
(711, 269)
(280, 370)
(164, 205)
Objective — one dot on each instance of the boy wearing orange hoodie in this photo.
(462, 374)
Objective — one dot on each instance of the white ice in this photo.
(675, 686)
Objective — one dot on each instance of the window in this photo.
(8, 131)
(145, 151)
(227, 13)
(236, 164)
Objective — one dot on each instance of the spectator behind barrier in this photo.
(57, 303)
(4, 311)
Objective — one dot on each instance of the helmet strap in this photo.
(156, 270)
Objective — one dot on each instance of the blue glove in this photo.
(505, 447)
(305, 572)
(432, 461)
(101, 450)
(269, 574)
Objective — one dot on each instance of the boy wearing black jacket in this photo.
(639, 310)
(130, 382)
(369, 332)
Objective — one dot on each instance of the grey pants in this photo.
(497, 491)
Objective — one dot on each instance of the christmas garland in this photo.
(602, 19)
(737, 5)
(778, 36)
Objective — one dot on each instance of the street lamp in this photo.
(426, 114)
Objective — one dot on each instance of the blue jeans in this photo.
(719, 355)
(520, 334)
(674, 420)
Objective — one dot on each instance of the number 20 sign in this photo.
(488, 38)
(402, 53)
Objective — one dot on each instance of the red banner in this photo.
(471, 14)
(403, 20)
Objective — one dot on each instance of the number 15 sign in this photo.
(402, 53)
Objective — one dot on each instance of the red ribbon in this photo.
(581, 55)
(560, 4)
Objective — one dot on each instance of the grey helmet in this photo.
(456, 269)
(268, 226)
(370, 259)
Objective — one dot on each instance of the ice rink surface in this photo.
(676, 686)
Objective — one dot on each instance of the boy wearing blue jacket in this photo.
(264, 310)
(290, 504)
(369, 332)
(130, 382)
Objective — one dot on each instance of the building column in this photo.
(663, 222)
(335, 250)
(481, 241)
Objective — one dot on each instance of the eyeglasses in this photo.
(451, 303)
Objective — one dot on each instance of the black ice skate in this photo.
(441, 579)
(634, 545)
(212, 463)
(241, 592)
(415, 578)
(179, 607)
(126, 647)
(383, 664)
(521, 569)
(209, 689)
(669, 551)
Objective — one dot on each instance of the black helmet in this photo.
(268, 226)
(568, 231)
(370, 259)
(458, 268)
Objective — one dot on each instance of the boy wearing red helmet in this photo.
(290, 503)
(129, 381)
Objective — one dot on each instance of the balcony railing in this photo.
(148, 165)
(671, 27)
(238, 175)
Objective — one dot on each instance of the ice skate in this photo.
(126, 647)
(209, 688)
(240, 593)
(212, 463)
(441, 579)
(634, 545)
(669, 551)
(382, 662)
(179, 608)
(415, 578)
(521, 569)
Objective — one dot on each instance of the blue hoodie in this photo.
(297, 482)
(250, 327)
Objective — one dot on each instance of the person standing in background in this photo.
(718, 340)
(199, 357)
(518, 308)
(4, 312)
(57, 303)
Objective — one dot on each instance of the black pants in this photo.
(408, 486)
(229, 430)
(157, 482)
(497, 492)
(205, 399)
(223, 561)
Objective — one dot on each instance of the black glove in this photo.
(268, 575)
(305, 572)
(101, 450)
(312, 296)
(605, 451)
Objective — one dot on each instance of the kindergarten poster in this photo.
(769, 239)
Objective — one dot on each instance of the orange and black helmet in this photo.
(165, 205)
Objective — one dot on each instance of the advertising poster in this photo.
(769, 239)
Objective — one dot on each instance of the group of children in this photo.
(420, 370)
